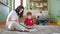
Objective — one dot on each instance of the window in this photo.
(17, 3)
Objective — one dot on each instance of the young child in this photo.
(29, 20)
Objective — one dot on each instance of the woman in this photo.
(13, 20)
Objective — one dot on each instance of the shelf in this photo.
(38, 4)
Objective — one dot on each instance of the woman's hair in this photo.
(18, 9)
(29, 13)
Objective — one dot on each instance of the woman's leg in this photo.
(9, 26)
(18, 26)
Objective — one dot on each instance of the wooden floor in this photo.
(2, 24)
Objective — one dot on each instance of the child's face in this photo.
(29, 16)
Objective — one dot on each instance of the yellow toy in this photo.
(58, 23)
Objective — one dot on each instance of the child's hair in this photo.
(29, 13)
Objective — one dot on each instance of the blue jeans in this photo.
(43, 22)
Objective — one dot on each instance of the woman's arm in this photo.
(9, 19)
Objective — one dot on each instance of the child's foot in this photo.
(33, 30)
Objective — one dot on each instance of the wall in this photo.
(3, 13)
(34, 12)
(54, 9)
(5, 10)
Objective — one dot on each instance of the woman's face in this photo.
(20, 10)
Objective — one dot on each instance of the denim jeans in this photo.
(43, 22)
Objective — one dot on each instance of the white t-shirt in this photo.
(13, 16)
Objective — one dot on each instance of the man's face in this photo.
(41, 10)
